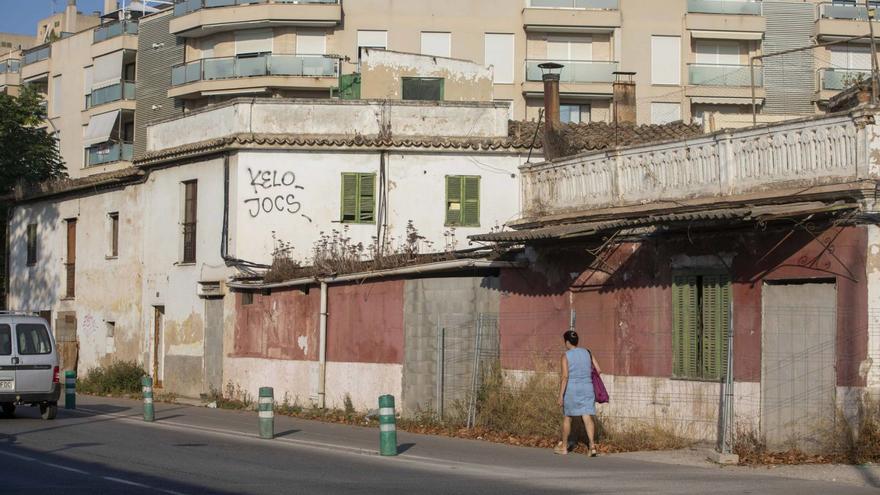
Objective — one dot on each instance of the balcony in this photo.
(114, 29)
(36, 55)
(109, 153)
(727, 7)
(196, 18)
(807, 153)
(572, 16)
(264, 71)
(576, 77)
(10, 66)
(837, 20)
(723, 75)
(109, 94)
(725, 19)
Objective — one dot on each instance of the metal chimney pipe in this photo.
(551, 110)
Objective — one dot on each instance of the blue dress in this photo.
(579, 398)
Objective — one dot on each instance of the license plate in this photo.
(7, 384)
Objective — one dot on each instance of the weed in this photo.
(234, 397)
(119, 378)
(348, 405)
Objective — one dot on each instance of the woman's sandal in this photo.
(560, 449)
(593, 452)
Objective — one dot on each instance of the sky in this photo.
(21, 16)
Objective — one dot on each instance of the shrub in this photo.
(119, 378)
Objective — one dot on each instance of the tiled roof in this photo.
(94, 181)
(521, 135)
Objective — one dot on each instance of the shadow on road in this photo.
(404, 447)
(286, 433)
(869, 475)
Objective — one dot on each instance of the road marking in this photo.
(22, 457)
(124, 482)
(73, 470)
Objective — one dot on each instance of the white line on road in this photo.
(125, 482)
(22, 457)
(66, 468)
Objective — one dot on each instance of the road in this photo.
(104, 447)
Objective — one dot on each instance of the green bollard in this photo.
(147, 383)
(70, 390)
(266, 407)
(387, 426)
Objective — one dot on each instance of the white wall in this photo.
(310, 204)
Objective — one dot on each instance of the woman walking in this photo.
(576, 395)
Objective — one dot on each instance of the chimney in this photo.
(69, 24)
(110, 6)
(624, 89)
(552, 141)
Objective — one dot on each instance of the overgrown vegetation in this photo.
(120, 378)
(234, 397)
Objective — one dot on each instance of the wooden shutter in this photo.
(685, 325)
(349, 197)
(366, 198)
(471, 201)
(453, 200)
(716, 320)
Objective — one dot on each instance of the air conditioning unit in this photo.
(211, 289)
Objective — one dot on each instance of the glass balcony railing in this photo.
(576, 4)
(109, 153)
(723, 75)
(183, 7)
(838, 79)
(575, 71)
(9, 66)
(114, 29)
(210, 69)
(848, 11)
(116, 92)
(734, 7)
(36, 55)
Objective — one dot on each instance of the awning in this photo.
(727, 35)
(107, 70)
(100, 128)
(765, 213)
(725, 100)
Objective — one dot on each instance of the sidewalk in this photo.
(452, 453)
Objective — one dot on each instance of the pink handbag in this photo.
(599, 388)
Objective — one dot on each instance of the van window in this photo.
(5, 340)
(33, 339)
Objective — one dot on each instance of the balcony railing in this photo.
(807, 152)
(847, 11)
(109, 153)
(575, 71)
(116, 92)
(114, 29)
(9, 66)
(36, 55)
(576, 4)
(723, 75)
(838, 79)
(188, 6)
(733, 7)
(210, 69)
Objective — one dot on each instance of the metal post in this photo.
(70, 390)
(752, 84)
(147, 384)
(572, 319)
(387, 426)
(874, 89)
(727, 411)
(472, 406)
(441, 367)
(266, 408)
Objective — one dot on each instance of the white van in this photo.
(28, 364)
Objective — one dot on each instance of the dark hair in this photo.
(571, 337)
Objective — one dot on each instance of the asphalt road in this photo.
(104, 448)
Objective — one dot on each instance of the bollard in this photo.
(267, 412)
(387, 426)
(70, 390)
(147, 383)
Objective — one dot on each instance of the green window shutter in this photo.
(349, 197)
(685, 325)
(367, 198)
(716, 320)
(471, 201)
(453, 200)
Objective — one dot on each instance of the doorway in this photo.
(158, 345)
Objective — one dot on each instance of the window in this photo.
(574, 114)
(71, 259)
(114, 234)
(700, 320)
(247, 298)
(310, 43)
(87, 85)
(664, 113)
(718, 52)
(254, 41)
(666, 60)
(462, 201)
(111, 329)
(423, 88)
(499, 54)
(437, 44)
(849, 56)
(358, 198)
(5, 340)
(371, 39)
(190, 206)
(33, 338)
(570, 48)
(56, 95)
(32, 244)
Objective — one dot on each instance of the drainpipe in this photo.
(322, 349)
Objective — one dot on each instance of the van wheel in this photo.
(49, 411)
(8, 409)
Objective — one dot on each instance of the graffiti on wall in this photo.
(275, 193)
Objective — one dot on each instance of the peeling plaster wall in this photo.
(382, 74)
(108, 289)
(871, 366)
